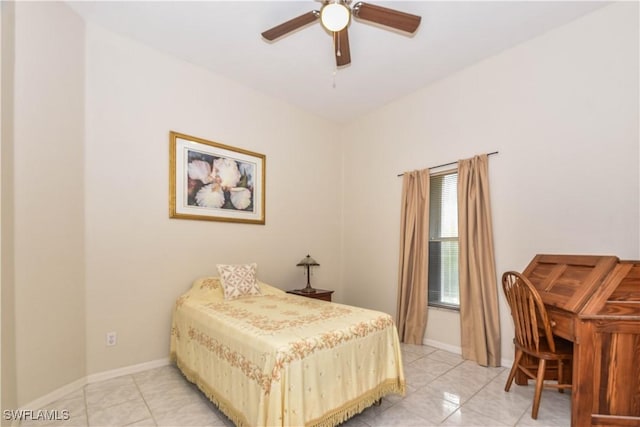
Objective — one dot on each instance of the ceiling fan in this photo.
(335, 16)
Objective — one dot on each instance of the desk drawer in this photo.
(564, 323)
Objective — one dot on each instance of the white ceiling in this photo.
(224, 36)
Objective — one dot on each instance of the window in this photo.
(443, 241)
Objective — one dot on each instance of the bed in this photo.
(277, 359)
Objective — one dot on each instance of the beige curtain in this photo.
(414, 255)
(479, 315)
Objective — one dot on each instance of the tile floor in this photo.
(442, 390)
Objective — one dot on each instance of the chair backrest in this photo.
(529, 314)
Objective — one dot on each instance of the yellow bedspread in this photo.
(284, 360)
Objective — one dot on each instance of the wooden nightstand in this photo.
(322, 294)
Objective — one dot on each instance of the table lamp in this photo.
(308, 262)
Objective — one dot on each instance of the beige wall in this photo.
(561, 109)
(139, 260)
(94, 250)
(86, 219)
(8, 389)
(48, 199)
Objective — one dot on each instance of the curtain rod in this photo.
(451, 163)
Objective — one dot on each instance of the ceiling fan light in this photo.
(334, 16)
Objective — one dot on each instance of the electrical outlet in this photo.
(112, 339)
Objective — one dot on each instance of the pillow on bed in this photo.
(269, 290)
(238, 280)
(208, 288)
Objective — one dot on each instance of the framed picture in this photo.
(215, 182)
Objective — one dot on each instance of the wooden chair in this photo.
(534, 337)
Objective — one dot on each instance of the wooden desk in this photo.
(594, 302)
(322, 294)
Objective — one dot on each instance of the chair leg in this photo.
(560, 376)
(514, 369)
(539, 383)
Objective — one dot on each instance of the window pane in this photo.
(443, 206)
(443, 240)
(449, 273)
(443, 272)
(449, 216)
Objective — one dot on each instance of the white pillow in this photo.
(209, 288)
(238, 280)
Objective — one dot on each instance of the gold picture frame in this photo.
(215, 182)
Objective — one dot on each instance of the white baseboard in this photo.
(443, 346)
(61, 392)
(57, 394)
(506, 363)
(127, 370)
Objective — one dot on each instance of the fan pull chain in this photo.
(338, 53)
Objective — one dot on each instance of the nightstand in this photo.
(322, 294)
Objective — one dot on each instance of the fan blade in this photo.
(291, 25)
(341, 47)
(388, 17)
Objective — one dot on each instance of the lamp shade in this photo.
(335, 16)
(307, 261)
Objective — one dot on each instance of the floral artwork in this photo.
(215, 182)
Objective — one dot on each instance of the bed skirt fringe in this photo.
(223, 405)
(330, 419)
(356, 406)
